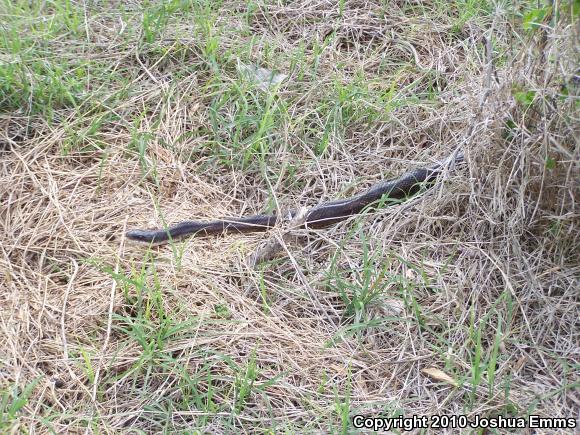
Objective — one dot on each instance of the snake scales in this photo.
(322, 215)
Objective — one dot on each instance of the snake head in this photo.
(145, 236)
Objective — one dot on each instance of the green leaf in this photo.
(550, 163)
(533, 18)
(525, 98)
(511, 125)
(571, 7)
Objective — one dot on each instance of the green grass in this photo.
(36, 77)
(136, 95)
(361, 288)
(41, 80)
(13, 400)
(367, 285)
(148, 326)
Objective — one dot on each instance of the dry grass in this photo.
(478, 277)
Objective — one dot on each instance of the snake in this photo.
(327, 213)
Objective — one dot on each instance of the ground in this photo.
(462, 300)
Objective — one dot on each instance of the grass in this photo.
(143, 114)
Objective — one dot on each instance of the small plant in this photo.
(245, 378)
(365, 285)
(12, 401)
(342, 406)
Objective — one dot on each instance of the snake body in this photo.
(320, 216)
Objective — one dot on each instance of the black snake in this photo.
(322, 215)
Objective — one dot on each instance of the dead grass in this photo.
(477, 277)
